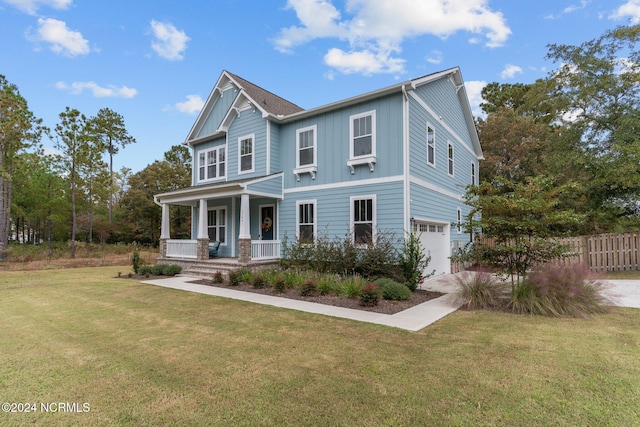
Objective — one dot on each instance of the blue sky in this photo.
(155, 61)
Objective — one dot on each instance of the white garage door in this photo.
(435, 242)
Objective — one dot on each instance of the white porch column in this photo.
(245, 226)
(164, 229)
(202, 220)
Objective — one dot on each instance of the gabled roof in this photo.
(268, 101)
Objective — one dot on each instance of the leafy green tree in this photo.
(19, 129)
(73, 141)
(522, 219)
(109, 128)
(598, 97)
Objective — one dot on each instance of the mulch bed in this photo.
(384, 306)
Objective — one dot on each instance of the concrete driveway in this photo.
(623, 293)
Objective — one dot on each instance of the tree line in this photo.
(578, 128)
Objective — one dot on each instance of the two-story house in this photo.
(395, 159)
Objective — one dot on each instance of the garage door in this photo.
(435, 243)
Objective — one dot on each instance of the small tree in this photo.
(413, 261)
(522, 219)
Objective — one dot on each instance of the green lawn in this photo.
(144, 355)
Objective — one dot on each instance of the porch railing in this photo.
(180, 248)
(265, 249)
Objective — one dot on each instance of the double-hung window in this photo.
(431, 146)
(306, 151)
(362, 140)
(473, 174)
(212, 164)
(217, 225)
(245, 154)
(363, 219)
(306, 220)
(450, 156)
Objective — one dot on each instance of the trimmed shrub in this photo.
(171, 269)
(157, 269)
(257, 281)
(392, 290)
(136, 261)
(479, 290)
(235, 278)
(370, 295)
(309, 288)
(218, 277)
(145, 270)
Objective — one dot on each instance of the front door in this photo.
(267, 222)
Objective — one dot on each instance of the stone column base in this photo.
(202, 252)
(244, 251)
(163, 248)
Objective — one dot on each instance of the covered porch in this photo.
(242, 215)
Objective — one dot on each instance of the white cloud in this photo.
(376, 29)
(62, 40)
(31, 6)
(569, 9)
(474, 93)
(111, 91)
(192, 105)
(630, 9)
(435, 57)
(169, 43)
(510, 71)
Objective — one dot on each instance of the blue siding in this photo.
(333, 144)
(269, 186)
(247, 123)
(218, 112)
(333, 209)
(276, 142)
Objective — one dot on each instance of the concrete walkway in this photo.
(412, 319)
(621, 293)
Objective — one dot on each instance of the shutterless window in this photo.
(306, 147)
(450, 155)
(363, 221)
(212, 163)
(459, 222)
(246, 154)
(217, 224)
(431, 146)
(306, 222)
(362, 135)
(473, 174)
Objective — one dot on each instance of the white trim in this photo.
(357, 183)
(406, 222)
(233, 227)
(374, 217)
(430, 126)
(313, 202)
(226, 221)
(433, 187)
(449, 129)
(251, 136)
(353, 117)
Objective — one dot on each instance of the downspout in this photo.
(405, 159)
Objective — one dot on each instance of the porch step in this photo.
(207, 268)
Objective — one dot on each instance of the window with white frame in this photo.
(450, 156)
(245, 154)
(473, 174)
(459, 221)
(306, 220)
(212, 163)
(363, 134)
(217, 225)
(363, 219)
(431, 146)
(306, 146)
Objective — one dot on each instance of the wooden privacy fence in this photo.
(601, 252)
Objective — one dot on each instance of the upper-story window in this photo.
(450, 155)
(362, 140)
(473, 174)
(306, 146)
(212, 163)
(431, 146)
(363, 136)
(245, 154)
